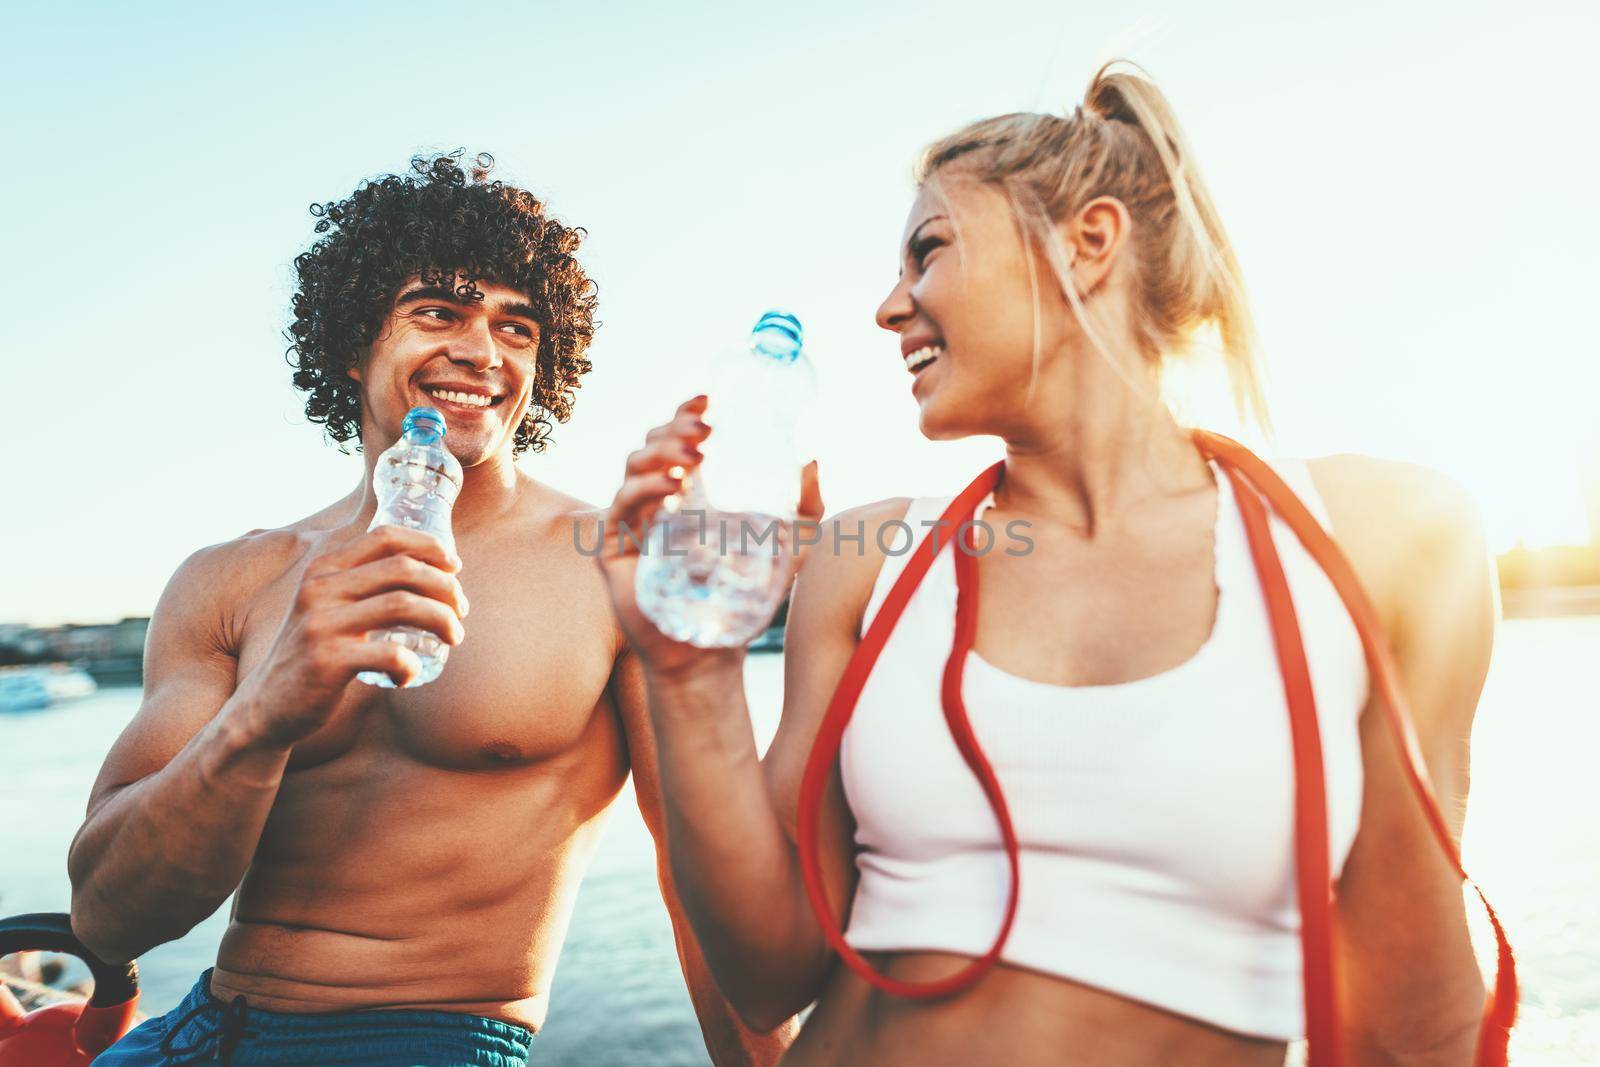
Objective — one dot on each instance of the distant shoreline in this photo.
(125, 665)
(1550, 601)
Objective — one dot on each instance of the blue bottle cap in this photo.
(778, 333)
(426, 418)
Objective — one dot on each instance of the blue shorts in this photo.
(205, 1029)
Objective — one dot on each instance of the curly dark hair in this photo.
(453, 227)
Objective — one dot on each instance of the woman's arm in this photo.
(729, 822)
(730, 818)
(727, 1040)
(1411, 989)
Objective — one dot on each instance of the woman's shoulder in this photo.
(842, 563)
(1406, 506)
(874, 516)
(853, 541)
(1413, 534)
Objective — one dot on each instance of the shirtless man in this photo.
(405, 860)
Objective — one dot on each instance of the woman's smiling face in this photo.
(965, 309)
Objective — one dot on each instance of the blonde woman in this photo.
(1074, 820)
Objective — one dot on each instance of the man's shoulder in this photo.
(566, 530)
(241, 564)
(543, 504)
(268, 547)
(561, 509)
(210, 591)
(562, 522)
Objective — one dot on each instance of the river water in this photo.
(1531, 842)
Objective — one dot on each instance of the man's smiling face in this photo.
(472, 359)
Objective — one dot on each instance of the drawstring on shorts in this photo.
(227, 1036)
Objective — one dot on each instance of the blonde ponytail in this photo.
(1124, 141)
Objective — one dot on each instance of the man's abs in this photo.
(381, 883)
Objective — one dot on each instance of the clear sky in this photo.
(1411, 189)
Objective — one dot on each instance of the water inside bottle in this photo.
(416, 481)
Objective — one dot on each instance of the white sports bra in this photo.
(1155, 817)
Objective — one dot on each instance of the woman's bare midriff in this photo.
(1012, 1016)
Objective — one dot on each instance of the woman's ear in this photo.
(1094, 238)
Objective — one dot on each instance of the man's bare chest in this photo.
(526, 685)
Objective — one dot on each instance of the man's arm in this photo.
(727, 1039)
(178, 809)
(175, 814)
(1412, 989)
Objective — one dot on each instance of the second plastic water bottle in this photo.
(416, 482)
(715, 565)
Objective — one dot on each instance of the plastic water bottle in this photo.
(416, 482)
(714, 566)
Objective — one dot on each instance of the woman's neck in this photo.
(1100, 461)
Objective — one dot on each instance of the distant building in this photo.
(110, 651)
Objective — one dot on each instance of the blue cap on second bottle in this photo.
(778, 333)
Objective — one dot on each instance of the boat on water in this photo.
(37, 686)
(22, 692)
